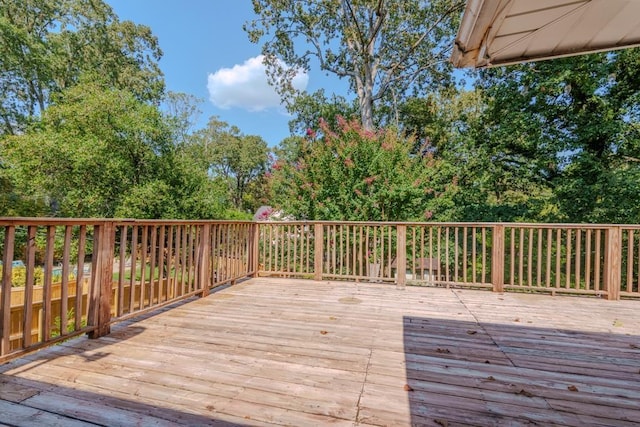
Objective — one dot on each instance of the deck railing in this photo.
(61, 278)
(65, 277)
(598, 260)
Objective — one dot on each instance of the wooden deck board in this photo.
(294, 352)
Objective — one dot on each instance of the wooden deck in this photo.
(305, 353)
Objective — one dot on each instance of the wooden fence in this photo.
(598, 260)
(65, 277)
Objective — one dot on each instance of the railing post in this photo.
(497, 258)
(5, 287)
(613, 262)
(318, 249)
(102, 279)
(401, 256)
(254, 250)
(204, 263)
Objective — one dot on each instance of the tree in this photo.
(386, 49)
(572, 125)
(240, 160)
(480, 184)
(93, 146)
(310, 108)
(100, 152)
(183, 110)
(354, 174)
(47, 45)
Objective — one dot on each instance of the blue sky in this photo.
(207, 54)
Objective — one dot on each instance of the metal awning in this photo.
(502, 32)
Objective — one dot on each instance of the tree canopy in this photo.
(239, 161)
(48, 45)
(571, 125)
(91, 148)
(87, 130)
(387, 49)
(354, 174)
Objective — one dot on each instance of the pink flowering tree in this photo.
(350, 173)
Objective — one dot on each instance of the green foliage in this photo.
(70, 324)
(308, 109)
(12, 203)
(150, 200)
(477, 184)
(100, 152)
(570, 126)
(354, 174)
(19, 276)
(236, 160)
(82, 135)
(386, 49)
(183, 111)
(47, 45)
(91, 148)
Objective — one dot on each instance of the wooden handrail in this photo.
(158, 262)
(140, 265)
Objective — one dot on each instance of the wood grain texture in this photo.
(308, 353)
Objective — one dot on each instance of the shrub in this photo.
(19, 276)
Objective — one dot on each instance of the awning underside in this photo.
(502, 32)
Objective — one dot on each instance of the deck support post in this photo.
(401, 256)
(497, 258)
(5, 287)
(204, 257)
(318, 249)
(101, 280)
(254, 250)
(613, 262)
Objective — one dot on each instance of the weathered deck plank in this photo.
(293, 352)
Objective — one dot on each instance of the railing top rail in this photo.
(456, 224)
(559, 225)
(7, 221)
(178, 221)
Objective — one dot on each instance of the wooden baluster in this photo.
(497, 258)
(47, 320)
(318, 251)
(64, 282)
(401, 256)
(204, 252)
(28, 288)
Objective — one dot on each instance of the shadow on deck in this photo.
(477, 373)
(295, 352)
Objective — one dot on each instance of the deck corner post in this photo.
(497, 258)
(204, 264)
(318, 247)
(5, 288)
(254, 250)
(613, 262)
(401, 257)
(99, 314)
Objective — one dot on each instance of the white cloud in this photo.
(245, 86)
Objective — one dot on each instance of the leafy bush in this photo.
(354, 174)
(19, 276)
(70, 324)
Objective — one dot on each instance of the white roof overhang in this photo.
(503, 32)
